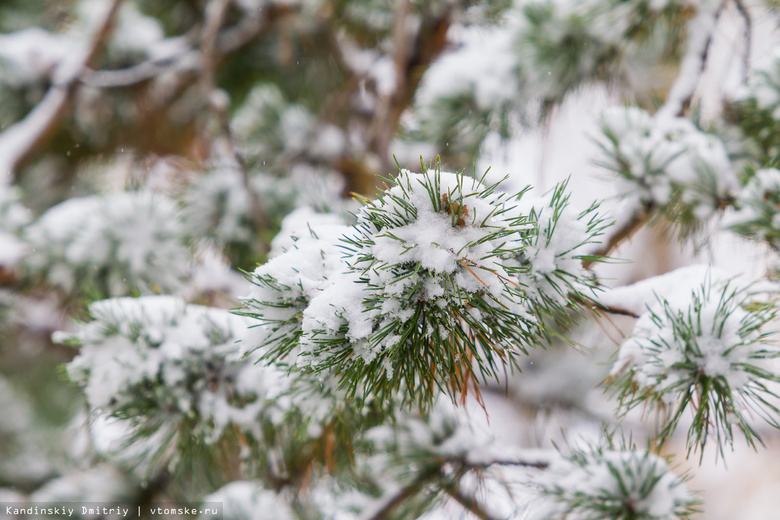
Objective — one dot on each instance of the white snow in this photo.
(699, 30)
(188, 350)
(435, 226)
(722, 342)
(676, 285)
(32, 54)
(136, 237)
(465, 68)
(576, 487)
(247, 500)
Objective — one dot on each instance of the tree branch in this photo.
(226, 41)
(638, 219)
(700, 31)
(401, 496)
(215, 16)
(526, 462)
(468, 503)
(20, 141)
(748, 36)
(410, 65)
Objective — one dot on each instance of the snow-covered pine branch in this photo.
(173, 371)
(110, 245)
(705, 352)
(445, 281)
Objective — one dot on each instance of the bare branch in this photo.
(215, 17)
(145, 70)
(523, 460)
(410, 62)
(22, 139)
(226, 41)
(598, 307)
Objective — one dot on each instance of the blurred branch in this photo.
(748, 37)
(598, 307)
(700, 30)
(403, 494)
(622, 232)
(411, 55)
(144, 71)
(468, 503)
(537, 462)
(221, 43)
(215, 17)
(219, 101)
(411, 64)
(20, 141)
(616, 310)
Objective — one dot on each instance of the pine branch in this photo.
(403, 494)
(619, 234)
(469, 503)
(20, 141)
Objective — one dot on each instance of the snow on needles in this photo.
(163, 362)
(595, 483)
(667, 163)
(438, 269)
(113, 244)
(426, 259)
(702, 350)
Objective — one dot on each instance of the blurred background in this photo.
(155, 147)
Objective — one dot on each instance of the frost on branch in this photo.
(443, 281)
(703, 352)
(175, 370)
(111, 245)
(595, 483)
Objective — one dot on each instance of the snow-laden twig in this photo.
(19, 141)
(226, 41)
(178, 49)
(700, 31)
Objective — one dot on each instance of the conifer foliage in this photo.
(251, 254)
